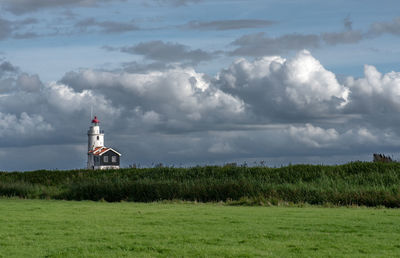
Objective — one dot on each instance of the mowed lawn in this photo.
(47, 228)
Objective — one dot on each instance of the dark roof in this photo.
(99, 151)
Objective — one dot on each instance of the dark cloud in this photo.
(5, 28)
(349, 36)
(16, 28)
(229, 24)
(25, 6)
(136, 67)
(346, 37)
(166, 52)
(379, 28)
(26, 35)
(105, 26)
(7, 67)
(8, 74)
(27, 21)
(259, 44)
(69, 14)
(176, 2)
(21, 7)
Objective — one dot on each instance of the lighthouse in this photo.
(99, 156)
(95, 136)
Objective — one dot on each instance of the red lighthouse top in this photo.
(95, 120)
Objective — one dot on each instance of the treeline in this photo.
(357, 183)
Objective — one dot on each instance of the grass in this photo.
(49, 228)
(356, 183)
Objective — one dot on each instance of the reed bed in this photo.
(356, 183)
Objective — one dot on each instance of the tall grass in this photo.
(357, 183)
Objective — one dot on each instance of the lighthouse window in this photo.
(105, 158)
(114, 159)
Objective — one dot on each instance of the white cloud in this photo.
(177, 96)
(29, 83)
(67, 100)
(363, 135)
(274, 86)
(313, 136)
(375, 93)
(23, 126)
(309, 82)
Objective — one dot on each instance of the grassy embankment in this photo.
(48, 228)
(358, 183)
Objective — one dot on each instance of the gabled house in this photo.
(99, 156)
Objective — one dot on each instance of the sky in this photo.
(199, 82)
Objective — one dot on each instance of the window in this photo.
(105, 158)
(114, 159)
(98, 137)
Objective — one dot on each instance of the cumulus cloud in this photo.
(332, 140)
(233, 115)
(313, 136)
(269, 107)
(23, 126)
(309, 139)
(38, 111)
(375, 93)
(29, 83)
(229, 24)
(7, 67)
(282, 89)
(180, 98)
(69, 101)
(259, 44)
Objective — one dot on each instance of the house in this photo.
(99, 156)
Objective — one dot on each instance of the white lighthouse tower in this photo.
(95, 136)
(99, 156)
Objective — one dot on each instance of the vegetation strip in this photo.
(357, 183)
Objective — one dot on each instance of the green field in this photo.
(48, 228)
